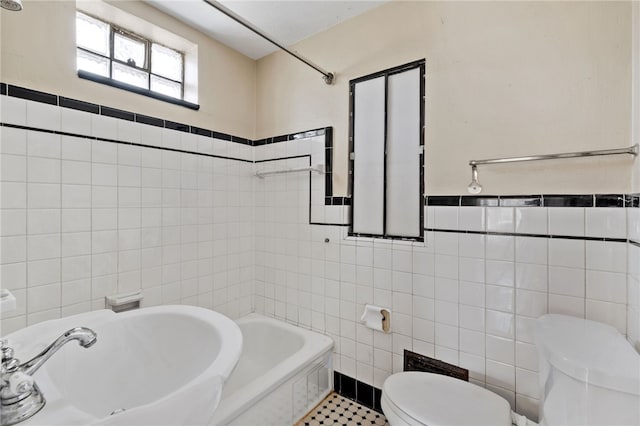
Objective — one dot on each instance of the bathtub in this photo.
(283, 372)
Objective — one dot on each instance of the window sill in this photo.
(130, 88)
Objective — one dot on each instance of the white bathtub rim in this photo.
(316, 344)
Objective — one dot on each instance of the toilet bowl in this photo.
(417, 398)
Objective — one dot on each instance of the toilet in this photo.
(589, 375)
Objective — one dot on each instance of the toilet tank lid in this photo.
(589, 351)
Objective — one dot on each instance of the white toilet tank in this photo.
(589, 373)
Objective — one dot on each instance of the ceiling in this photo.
(287, 22)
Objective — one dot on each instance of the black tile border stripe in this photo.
(32, 95)
(516, 234)
(96, 138)
(78, 105)
(37, 96)
(355, 390)
(52, 99)
(543, 200)
(549, 200)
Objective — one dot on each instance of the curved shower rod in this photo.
(327, 76)
(475, 187)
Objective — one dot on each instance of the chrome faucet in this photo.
(20, 396)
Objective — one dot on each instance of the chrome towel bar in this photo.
(475, 187)
(318, 169)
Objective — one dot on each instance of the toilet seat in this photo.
(417, 398)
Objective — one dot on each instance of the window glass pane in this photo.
(92, 34)
(403, 154)
(130, 75)
(368, 164)
(92, 63)
(129, 50)
(166, 87)
(166, 62)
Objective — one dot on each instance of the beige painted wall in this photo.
(503, 79)
(37, 50)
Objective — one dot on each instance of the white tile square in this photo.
(472, 218)
(500, 298)
(43, 116)
(446, 336)
(500, 323)
(526, 356)
(13, 141)
(472, 294)
(13, 168)
(531, 303)
(500, 374)
(568, 253)
(13, 195)
(45, 246)
(445, 217)
(43, 170)
(500, 273)
(500, 349)
(567, 281)
(41, 144)
(74, 121)
(531, 276)
(13, 110)
(470, 269)
(471, 245)
(532, 250)
(607, 256)
(566, 221)
(500, 219)
(446, 313)
(445, 243)
(43, 297)
(500, 247)
(76, 196)
(75, 148)
(43, 221)
(531, 220)
(606, 222)
(13, 249)
(44, 195)
(13, 222)
(104, 127)
(41, 272)
(607, 286)
(472, 342)
(472, 317)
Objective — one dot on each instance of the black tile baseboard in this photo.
(358, 391)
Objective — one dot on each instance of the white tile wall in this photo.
(83, 219)
(470, 299)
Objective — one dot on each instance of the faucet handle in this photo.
(7, 352)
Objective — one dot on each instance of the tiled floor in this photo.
(337, 410)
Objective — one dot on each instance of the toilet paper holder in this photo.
(376, 318)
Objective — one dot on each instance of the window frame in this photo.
(421, 64)
(147, 66)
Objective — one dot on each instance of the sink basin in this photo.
(164, 365)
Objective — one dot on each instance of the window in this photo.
(122, 56)
(386, 153)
